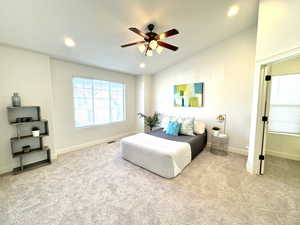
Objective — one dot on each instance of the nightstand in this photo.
(219, 144)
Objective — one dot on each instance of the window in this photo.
(285, 104)
(97, 102)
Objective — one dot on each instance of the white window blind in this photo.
(285, 104)
(97, 102)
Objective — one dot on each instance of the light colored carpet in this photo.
(96, 186)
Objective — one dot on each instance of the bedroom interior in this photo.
(194, 121)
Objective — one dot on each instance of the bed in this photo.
(160, 153)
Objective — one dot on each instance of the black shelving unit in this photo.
(24, 118)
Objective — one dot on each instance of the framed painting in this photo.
(188, 95)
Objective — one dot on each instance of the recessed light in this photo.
(69, 42)
(142, 65)
(233, 10)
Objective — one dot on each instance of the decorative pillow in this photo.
(199, 127)
(164, 122)
(173, 118)
(173, 128)
(187, 126)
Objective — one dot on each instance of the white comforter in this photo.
(164, 157)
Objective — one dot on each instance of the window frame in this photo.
(272, 131)
(93, 105)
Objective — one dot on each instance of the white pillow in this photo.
(173, 118)
(187, 126)
(199, 127)
(164, 122)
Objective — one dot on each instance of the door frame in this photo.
(256, 127)
(264, 119)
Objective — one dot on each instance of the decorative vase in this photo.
(35, 133)
(16, 100)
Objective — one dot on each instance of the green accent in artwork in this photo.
(188, 95)
(193, 102)
(198, 88)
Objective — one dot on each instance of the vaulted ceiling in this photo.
(99, 27)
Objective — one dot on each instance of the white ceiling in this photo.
(99, 27)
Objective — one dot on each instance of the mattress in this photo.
(166, 158)
(197, 142)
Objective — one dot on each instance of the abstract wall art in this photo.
(188, 95)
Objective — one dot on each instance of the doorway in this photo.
(280, 145)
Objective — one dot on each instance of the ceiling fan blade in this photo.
(166, 34)
(166, 45)
(134, 43)
(137, 31)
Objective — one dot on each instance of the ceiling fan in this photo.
(152, 40)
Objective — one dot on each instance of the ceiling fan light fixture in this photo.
(142, 48)
(149, 52)
(159, 49)
(153, 44)
(151, 40)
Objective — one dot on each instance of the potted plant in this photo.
(150, 121)
(35, 132)
(215, 131)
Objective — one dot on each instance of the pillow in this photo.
(173, 128)
(173, 118)
(164, 122)
(187, 126)
(199, 127)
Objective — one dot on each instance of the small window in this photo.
(98, 102)
(285, 104)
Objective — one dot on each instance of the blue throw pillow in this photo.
(173, 128)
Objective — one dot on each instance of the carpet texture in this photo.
(96, 186)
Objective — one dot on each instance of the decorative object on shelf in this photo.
(35, 132)
(222, 119)
(19, 120)
(23, 119)
(188, 95)
(26, 148)
(215, 131)
(150, 121)
(16, 100)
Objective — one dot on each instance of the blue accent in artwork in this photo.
(198, 88)
(173, 128)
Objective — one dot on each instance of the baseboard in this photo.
(5, 170)
(240, 151)
(236, 150)
(139, 131)
(283, 155)
(91, 143)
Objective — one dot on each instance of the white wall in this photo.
(28, 74)
(140, 104)
(282, 145)
(67, 136)
(278, 37)
(47, 82)
(227, 72)
(278, 27)
(143, 99)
